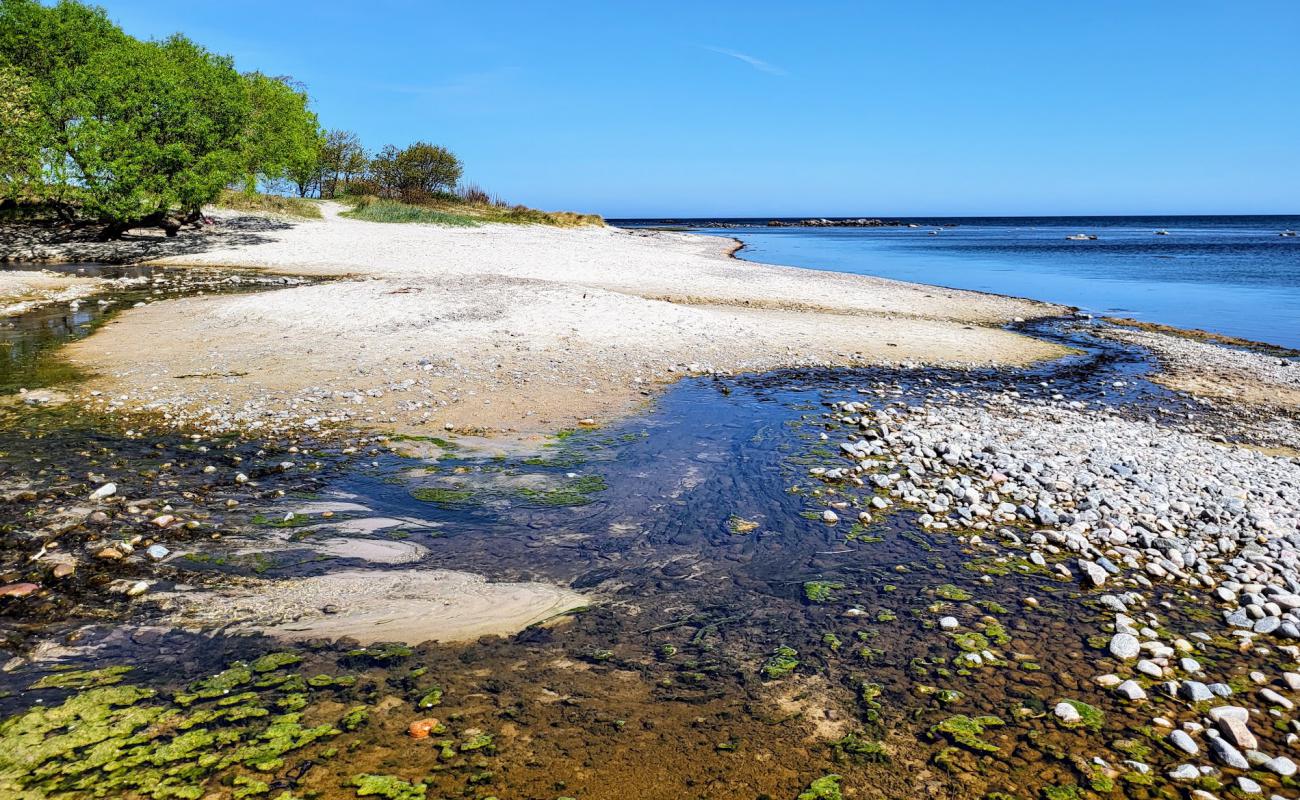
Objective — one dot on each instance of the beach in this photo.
(617, 512)
(519, 329)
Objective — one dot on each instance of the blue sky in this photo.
(758, 108)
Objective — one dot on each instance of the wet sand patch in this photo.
(392, 606)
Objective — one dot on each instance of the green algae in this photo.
(782, 662)
(966, 731)
(249, 787)
(955, 593)
(826, 787)
(740, 526)
(832, 641)
(82, 678)
(382, 652)
(442, 496)
(389, 787)
(858, 748)
(820, 591)
(1090, 717)
(431, 698)
(274, 661)
(125, 740)
(970, 642)
(577, 492)
(478, 741)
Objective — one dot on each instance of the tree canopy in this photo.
(109, 128)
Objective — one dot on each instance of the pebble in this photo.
(1184, 742)
(103, 492)
(1226, 754)
(1067, 713)
(1125, 646)
(1131, 690)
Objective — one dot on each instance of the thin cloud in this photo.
(757, 63)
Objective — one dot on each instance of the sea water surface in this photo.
(1234, 275)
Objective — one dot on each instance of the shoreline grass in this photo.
(391, 211)
(461, 213)
(269, 204)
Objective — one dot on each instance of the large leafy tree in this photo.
(135, 133)
(155, 130)
(20, 143)
(282, 135)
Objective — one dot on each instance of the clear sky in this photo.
(780, 108)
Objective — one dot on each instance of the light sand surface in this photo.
(510, 328)
(388, 606)
(23, 290)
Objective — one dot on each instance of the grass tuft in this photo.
(268, 204)
(378, 210)
(453, 210)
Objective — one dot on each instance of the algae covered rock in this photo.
(781, 663)
(826, 787)
(389, 788)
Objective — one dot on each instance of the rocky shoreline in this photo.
(1060, 580)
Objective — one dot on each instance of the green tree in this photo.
(306, 170)
(20, 146)
(41, 48)
(155, 131)
(282, 135)
(416, 173)
(342, 160)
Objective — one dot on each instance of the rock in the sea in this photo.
(1281, 765)
(157, 552)
(830, 517)
(18, 589)
(1093, 572)
(1067, 713)
(1131, 690)
(105, 491)
(1125, 646)
(1184, 742)
(1226, 754)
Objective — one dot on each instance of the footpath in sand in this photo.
(507, 328)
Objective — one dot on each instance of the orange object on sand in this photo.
(421, 728)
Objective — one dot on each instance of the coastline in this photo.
(993, 543)
(509, 329)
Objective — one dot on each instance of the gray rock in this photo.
(1227, 755)
(1125, 646)
(1131, 690)
(1195, 692)
(1184, 742)
(1067, 713)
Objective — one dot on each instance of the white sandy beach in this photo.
(510, 328)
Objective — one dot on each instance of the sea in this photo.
(1234, 275)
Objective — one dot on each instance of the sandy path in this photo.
(511, 328)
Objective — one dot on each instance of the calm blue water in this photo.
(1232, 275)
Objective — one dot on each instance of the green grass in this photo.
(268, 203)
(376, 210)
(459, 213)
